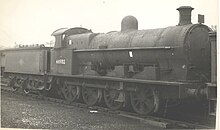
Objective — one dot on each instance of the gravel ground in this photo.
(18, 111)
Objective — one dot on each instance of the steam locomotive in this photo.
(143, 68)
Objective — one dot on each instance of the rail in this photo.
(150, 120)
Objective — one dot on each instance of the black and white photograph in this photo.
(109, 64)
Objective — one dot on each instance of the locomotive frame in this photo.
(97, 67)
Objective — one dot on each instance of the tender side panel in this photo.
(26, 61)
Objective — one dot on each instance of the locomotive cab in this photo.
(59, 37)
(63, 59)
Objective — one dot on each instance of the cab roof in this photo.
(70, 31)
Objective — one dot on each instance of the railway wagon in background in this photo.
(147, 69)
(2, 61)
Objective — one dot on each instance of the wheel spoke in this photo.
(111, 101)
(149, 96)
(135, 98)
(90, 96)
(137, 103)
(147, 102)
(69, 92)
(142, 101)
(110, 97)
(142, 106)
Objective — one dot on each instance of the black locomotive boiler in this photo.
(143, 68)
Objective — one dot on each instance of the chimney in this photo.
(185, 15)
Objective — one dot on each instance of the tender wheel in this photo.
(26, 91)
(11, 83)
(70, 93)
(42, 93)
(144, 101)
(91, 96)
(15, 88)
(112, 99)
(23, 84)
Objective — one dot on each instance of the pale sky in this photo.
(33, 21)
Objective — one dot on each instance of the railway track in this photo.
(151, 120)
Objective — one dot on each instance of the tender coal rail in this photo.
(151, 120)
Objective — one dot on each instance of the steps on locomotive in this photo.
(212, 107)
(212, 98)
